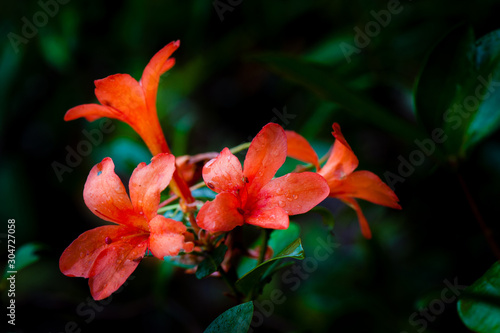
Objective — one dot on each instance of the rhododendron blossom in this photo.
(250, 195)
(107, 255)
(345, 183)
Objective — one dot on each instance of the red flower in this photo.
(251, 195)
(107, 255)
(132, 102)
(345, 183)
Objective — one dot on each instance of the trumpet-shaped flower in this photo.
(107, 255)
(345, 183)
(250, 194)
(132, 102)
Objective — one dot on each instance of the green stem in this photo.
(229, 282)
(239, 148)
(263, 249)
(167, 208)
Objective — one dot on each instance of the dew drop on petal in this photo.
(99, 173)
(295, 196)
(281, 203)
(211, 185)
(108, 240)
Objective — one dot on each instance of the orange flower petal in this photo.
(92, 112)
(158, 65)
(224, 173)
(273, 218)
(121, 92)
(167, 237)
(106, 197)
(265, 156)
(221, 214)
(148, 181)
(363, 223)
(114, 265)
(342, 160)
(300, 149)
(368, 186)
(295, 193)
(124, 94)
(79, 256)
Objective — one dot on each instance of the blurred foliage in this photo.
(479, 307)
(279, 61)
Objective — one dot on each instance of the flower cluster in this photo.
(246, 194)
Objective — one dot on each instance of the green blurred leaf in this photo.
(179, 261)
(258, 275)
(314, 77)
(487, 118)
(455, 89)
(55, 50)
(126, 154)
(25, 256)
(204, 193)
(479, 306)
(440, 82)
(237, 319)
(211, 262)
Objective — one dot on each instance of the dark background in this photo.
(217, 95)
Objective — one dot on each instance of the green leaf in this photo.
(211, 262)
(55, 49)
(317, 79)
(126, 153)
(487, 118)
(456, 89)
(479, 304)
(281, 239)
(25, 256)
(235, 320)
(204, 193)
(258, 275)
